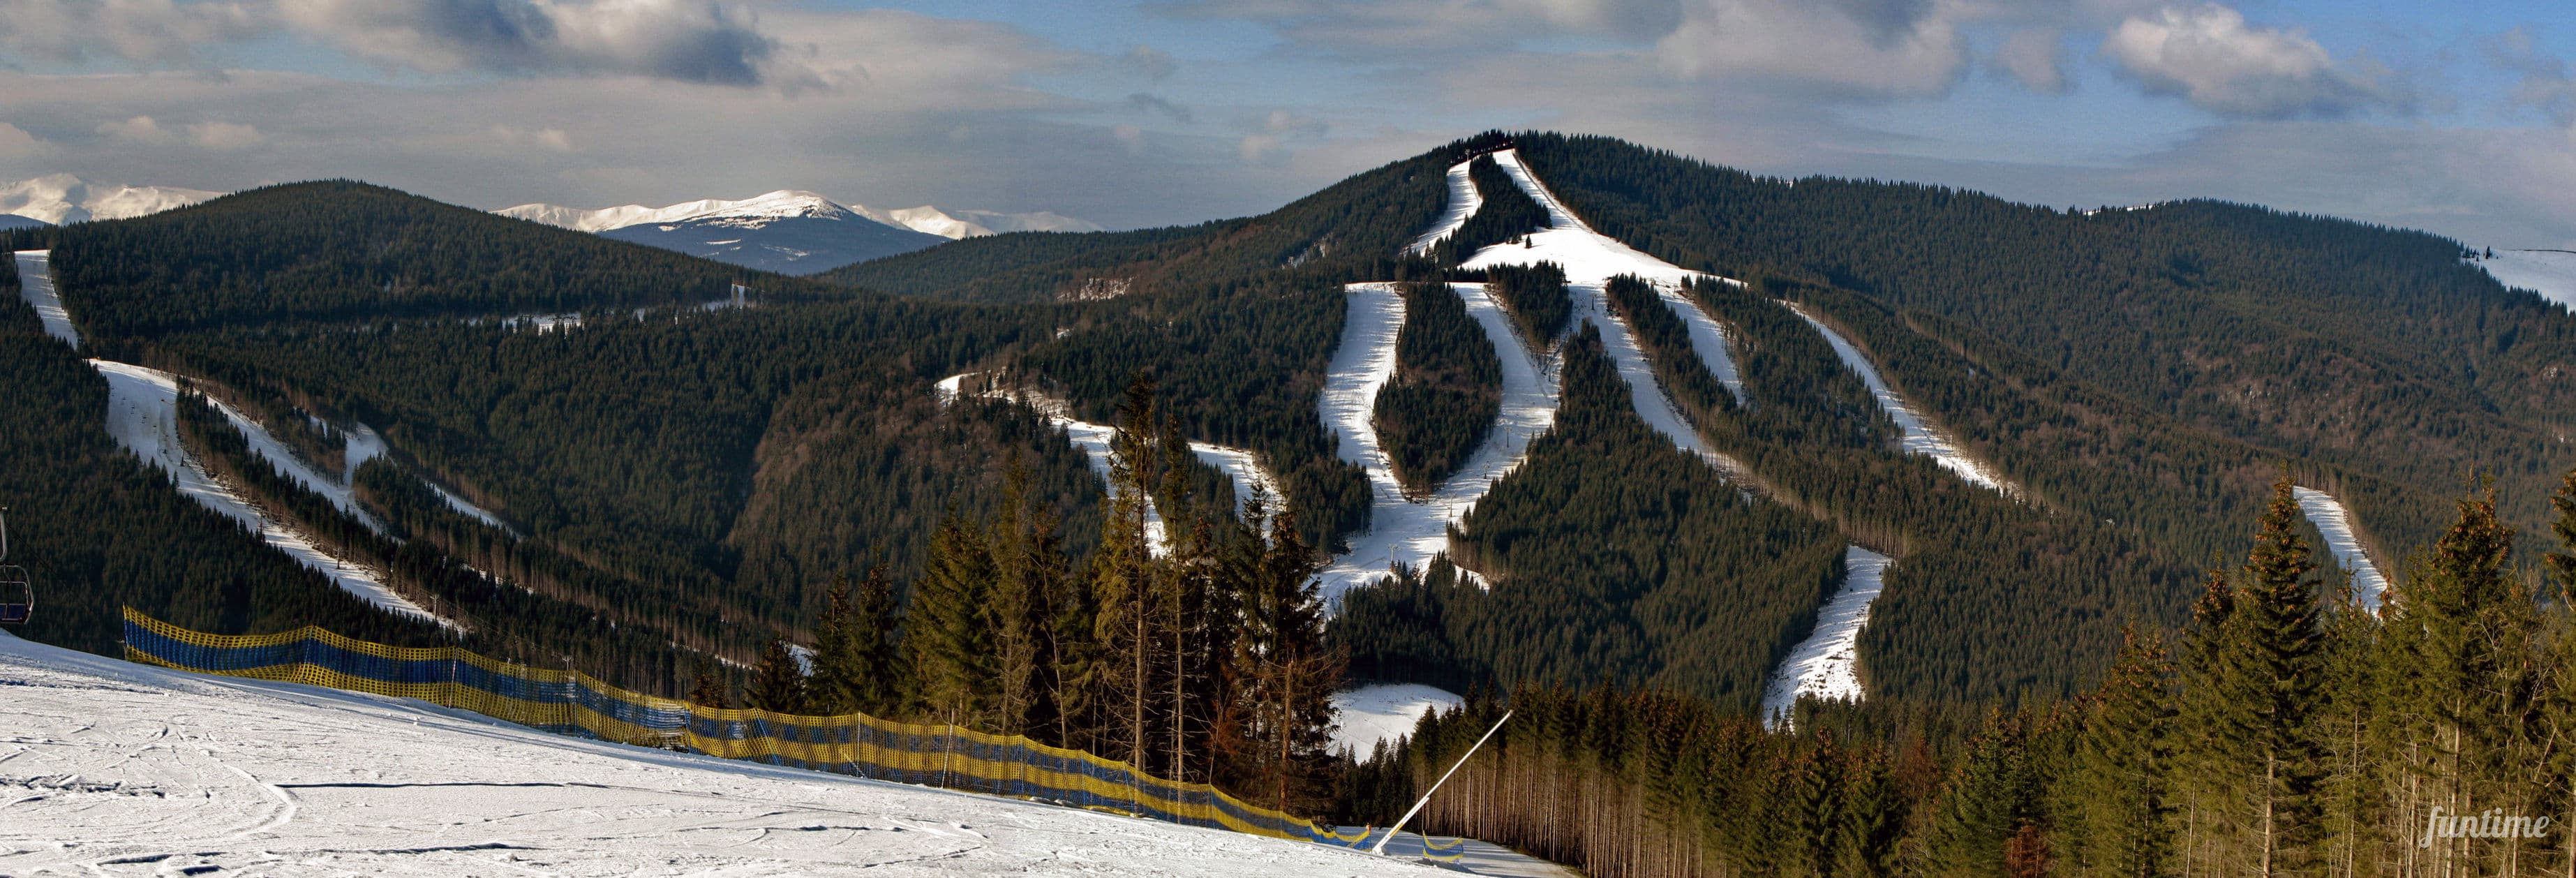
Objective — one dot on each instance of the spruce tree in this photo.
(839, 683)
(2112, 800)
(778, 682)
(947, 630)
(2269, 666)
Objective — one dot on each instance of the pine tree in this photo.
(2112, 799)
(1286, 677)
(947, 629)
(840, 681)
(778, 682)
(1123, 584)
(709, 691)
(2270, 664)
(1018, 613)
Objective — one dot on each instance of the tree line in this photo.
(1447, 388)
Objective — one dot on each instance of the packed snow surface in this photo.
(63, 198)
(1384, 712)
(2335, 523)
(1401, 529)
(2551, 273)
(122, 769)
(1463, 203)
(1587, 256)
(1827, 664)
(1918, 436)
(36, 285)
(143, 415)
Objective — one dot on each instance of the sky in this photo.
(2456, 118)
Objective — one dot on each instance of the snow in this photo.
(960, 224)
(759, 210)
(1918, 436)
(1385, 712)
(122, 769)
(142, 413)
(1402, 530)
(2551, 273)
(36, 285)
(1589, 257)
(1709, 340)
(1239, 465)
(1827, 664)
(63, 198)
(2335, 523)
(1463, 203)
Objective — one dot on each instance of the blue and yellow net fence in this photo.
(573, 703)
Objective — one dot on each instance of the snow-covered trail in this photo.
(1402, 530)
(1239, 465)
(2335, 523)
(1918, 436)
(2551, 273)
(1366, 715)
(143, 415)
(1590, 260)
(1827, 663)
(112, 768)
(1464, 201)
(36, 285)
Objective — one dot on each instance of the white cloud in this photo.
(705, 42)
(2035, 57)
(147, 32)
(140, 129)
(2209, 56)
(544, 138)
(224, 135)
(16, 142)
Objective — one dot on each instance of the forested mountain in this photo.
(673, 481)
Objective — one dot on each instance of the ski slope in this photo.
(2551, 273)
(2335, 523)
(110, 768)
(1464, 201)
(1367, 715)
(143, 415)
(1827, 663)
(36, 285)
(1401, 529)
(1917, 434)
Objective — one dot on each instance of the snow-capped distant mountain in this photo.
(790, 230)
(56, 199)
(2551, 273)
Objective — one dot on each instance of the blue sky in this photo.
(2460, 119)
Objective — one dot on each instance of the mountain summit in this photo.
(791, 230)
(55, 199)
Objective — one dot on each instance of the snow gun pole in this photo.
(1380, 847)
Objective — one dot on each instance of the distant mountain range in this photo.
(790, 231)
(55, 199)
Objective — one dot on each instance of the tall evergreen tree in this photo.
(778, 681)
(839, 683)
(948, 629)
(2264, 691)
(2112, 800)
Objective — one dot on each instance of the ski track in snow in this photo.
(1094, 439)
(1827, 663)
(2551, 273)
(1918, 436)
(1464, 201)
(142, 413)
(116, 769)
(1402, 530)
(1385, 712)
(2335, 523)
(36, 285)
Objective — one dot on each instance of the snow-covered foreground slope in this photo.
(1464, 200)
(2551, 273)
(1384, 712)
(1827, 663)
(1403, 530)
(36, 285)
(2335, 523)
(142, 413)
(119, 769)
(1918, 435)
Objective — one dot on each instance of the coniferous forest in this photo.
(2056, 680)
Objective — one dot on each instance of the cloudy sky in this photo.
(2456, 118)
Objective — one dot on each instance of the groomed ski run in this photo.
(1363, 716)
(1402, 530)
(1827, 664)
(2335, 523)
(1918, 435)
(1463, 202)
(143, 415)
(123, 769)
(36, 285)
